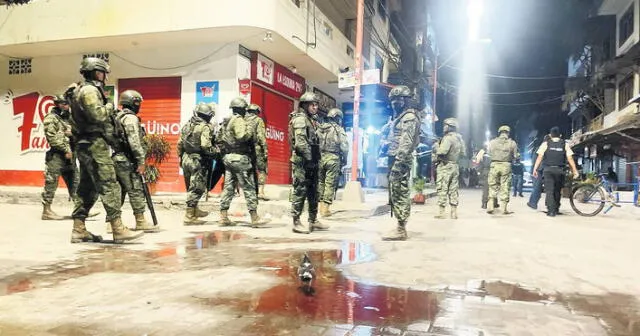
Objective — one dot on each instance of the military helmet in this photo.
(238, 102)
(453, 122)
(60, 99)
(213, 107)
(93, 63)
(504, 128)
(254, 108)
(335, 113)
(130, 98)
(309, 97)
(203, 110)
(400, 91)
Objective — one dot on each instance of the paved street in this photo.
(522, 274)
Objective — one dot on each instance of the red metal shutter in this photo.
(160, 114)
(276, 109)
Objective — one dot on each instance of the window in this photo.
(19, 66)
(625, 26)
(625, 91)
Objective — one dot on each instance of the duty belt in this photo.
(336, 153)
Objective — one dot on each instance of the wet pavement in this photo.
(263, 296)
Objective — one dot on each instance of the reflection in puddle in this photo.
(338, 302)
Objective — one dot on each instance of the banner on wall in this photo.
(110, 93)
(244, 86)
(207, 92)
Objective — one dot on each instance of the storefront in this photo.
(276, 89)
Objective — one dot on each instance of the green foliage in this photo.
(418, 184)
(158, 150)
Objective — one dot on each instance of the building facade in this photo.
(176, 56)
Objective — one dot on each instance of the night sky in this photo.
(529, 38)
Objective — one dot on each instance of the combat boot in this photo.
(484, 205)
(315, 224)
(257, 221)
(80, 234)
(491, 206)
(399, 233)
(224, 218)
(48, 214)
(261, 195)
(324, 209)
(454, 212)
(505, 210)
(299, 227)
(201, 213)
(122, 233)
(441, 214)
(190, 217)
(143, 225)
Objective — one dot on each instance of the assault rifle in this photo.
(147, 197)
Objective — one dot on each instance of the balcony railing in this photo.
(596, 124)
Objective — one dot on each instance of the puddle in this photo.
(338, 303)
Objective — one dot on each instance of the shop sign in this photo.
(276, 76)
(31, 109)
(207, 92)
(244, 85)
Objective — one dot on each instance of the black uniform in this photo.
(555, 160)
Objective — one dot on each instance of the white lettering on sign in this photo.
(275, 134)
(153, 127)
(289, 82)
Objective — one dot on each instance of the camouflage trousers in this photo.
(305, 187)
(97, 179)
(238, 170)
(328, 174)
(130, 183)
(196, 177)
(399, 189)
(447, 183)
(261, 167)
(56, 165)
(500, 181)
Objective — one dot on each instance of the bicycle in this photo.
(588, 199)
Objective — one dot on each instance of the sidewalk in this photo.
(278, 205)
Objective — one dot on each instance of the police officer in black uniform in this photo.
(555, 153)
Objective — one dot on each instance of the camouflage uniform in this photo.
(195, 146)
(334, 148)
(238, 165)
(402, 140)
(256, 126)
(305, 157)
(57, 129)
(449, 150)
(129, 154)
(502, 151)
(94, 128)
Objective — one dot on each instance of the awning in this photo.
(621, 137)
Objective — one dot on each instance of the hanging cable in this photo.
(511, 77)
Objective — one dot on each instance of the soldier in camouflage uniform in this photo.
(129, 158)
(484, 160)
(238, 167)
(305, 157)
(59, 160)
(195, 148)
(257, 127)
(502, 151)
(449, 150)
(94, 129)
(401, 142)
(334, 148)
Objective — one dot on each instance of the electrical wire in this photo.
(512, 77)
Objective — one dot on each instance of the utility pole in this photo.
(353, 190)
(356, 89)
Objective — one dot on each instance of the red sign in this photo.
(276, 76)
(32, 107)
(245, 86)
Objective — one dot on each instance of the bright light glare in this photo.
(474, 13)
(370, 129)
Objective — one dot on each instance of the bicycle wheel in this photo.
(587, 200)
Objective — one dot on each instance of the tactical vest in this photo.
(191, 134)
(232, 144)
(395, 132)
(122, 144)
(500, 150)
(329, 138)
(83, 127)
(555, 155)
(64, 124)
(456, 149)
(310, 128)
